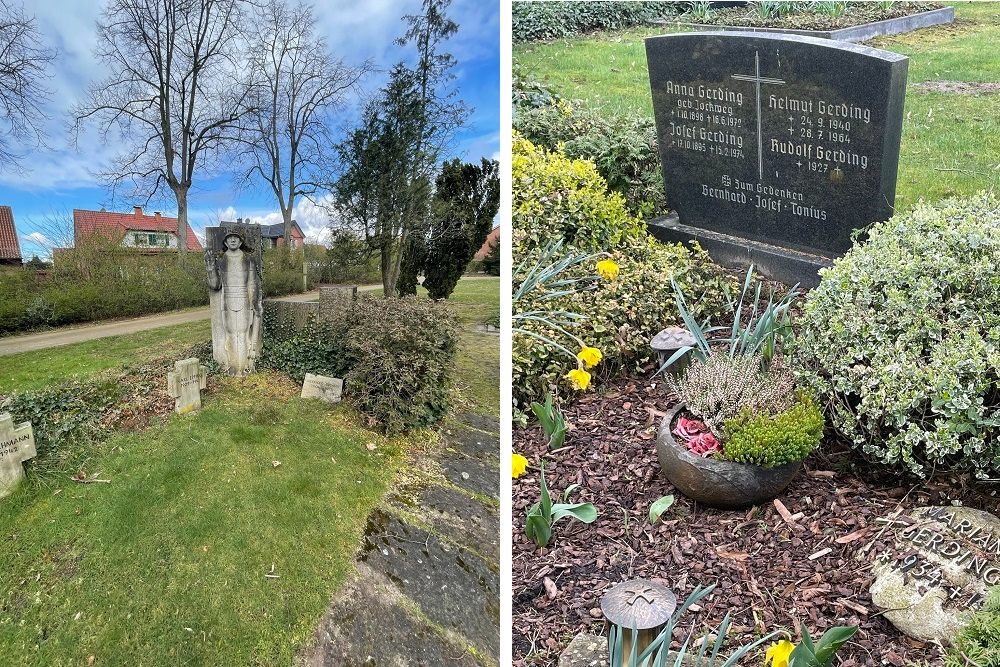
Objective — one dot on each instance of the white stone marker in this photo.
(17, 445)
(322, 387)
(940, 566)
(185, 383)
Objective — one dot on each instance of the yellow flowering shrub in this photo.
(555, 196)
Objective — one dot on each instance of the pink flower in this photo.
(704, 444)
(689, 428)
(697, 437)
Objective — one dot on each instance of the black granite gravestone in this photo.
(775, 149)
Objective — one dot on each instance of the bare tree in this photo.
(54, 230)
(300, 87)
(24, 62)
(175, 94)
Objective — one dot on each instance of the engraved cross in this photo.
(757, 79)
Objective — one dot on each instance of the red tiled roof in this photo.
(9, 247)
(491, 239)
(108, 222)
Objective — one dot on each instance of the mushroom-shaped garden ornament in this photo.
(639, 604)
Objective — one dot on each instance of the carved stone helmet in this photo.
(240, 231)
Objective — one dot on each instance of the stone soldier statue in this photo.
(233, 262)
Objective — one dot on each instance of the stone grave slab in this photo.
(368, 624)
(943, 561)
(472, 474)
(474, 443)
(17, 445)
(185, 383)
(322, 387)
(454, 587)
(461, 519)
(775, 148)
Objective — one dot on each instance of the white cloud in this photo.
(37, 238)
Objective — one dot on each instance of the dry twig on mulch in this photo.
(810, 563)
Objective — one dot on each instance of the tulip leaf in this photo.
(659, 507)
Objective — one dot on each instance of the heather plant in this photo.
(721, 388)
(900, 343)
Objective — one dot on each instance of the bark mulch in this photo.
(771, 572)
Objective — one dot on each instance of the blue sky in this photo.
(60, 177)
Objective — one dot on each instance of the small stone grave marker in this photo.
(322, 387)
(943, 561)
(775, 148)
(185, 383)
(17, 445)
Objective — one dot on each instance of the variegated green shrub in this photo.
(901, 340)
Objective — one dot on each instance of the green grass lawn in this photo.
(166, 564)
(950, 145)
(37, 369)
(473, 300)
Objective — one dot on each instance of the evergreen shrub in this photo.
(901, 340)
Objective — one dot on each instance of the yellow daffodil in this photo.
(579, 378)
(589, 356)
(518, 464)
(777, 655)
(607, 269)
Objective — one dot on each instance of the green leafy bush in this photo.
(282, 271)
(773, 440)
(555, 196)
(491, 262)
(548, 20)
(559, 197)
(979, 642)
(318, 347)
(402, 354)
(395, 355)
(901, 340)
(623, 148)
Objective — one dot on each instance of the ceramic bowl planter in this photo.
(717, 483)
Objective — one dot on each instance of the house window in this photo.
(151, 239)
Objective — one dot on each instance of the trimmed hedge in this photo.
(550, 20)
(901, 340)
(101, 280)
